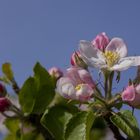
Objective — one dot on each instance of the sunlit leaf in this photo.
(79, 126)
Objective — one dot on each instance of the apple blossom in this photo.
(132, 95)
(113, 57)
(77, 84)
(101, 41)
(55, 72)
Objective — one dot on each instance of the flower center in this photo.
(78, 87)
(111, 57)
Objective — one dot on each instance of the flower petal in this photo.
(101, 41)
(91, 55)
(86, 77)
(84, 93)
(123, 64)
(72, 73)
(86, 48)
(66, 88)
(117, 45)
(135, 60)
(126, 62)
(129, 94)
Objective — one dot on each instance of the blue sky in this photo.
(48, 31)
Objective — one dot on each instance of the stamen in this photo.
(78, 87)
(111, 57)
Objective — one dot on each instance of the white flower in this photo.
(112, 58)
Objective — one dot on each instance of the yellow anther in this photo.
(78, 87)
(111, 57)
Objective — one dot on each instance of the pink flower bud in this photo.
(132, 96)
(128, 94)
(55, 72)
(101, 41)
(2, 90)
(4, 104)
(76, 60)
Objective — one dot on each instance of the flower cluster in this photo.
(77, 103)
(108, 55)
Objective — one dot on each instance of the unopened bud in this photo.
(4, 104)
(76, 60)
(55, 72)
(101, 41)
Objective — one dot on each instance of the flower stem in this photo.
(110, 80)
(106, 84)
(100, 99)
(17, 111)
(15, 86)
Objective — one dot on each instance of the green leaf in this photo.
(97, 134)
(98, 130)
(11, 137)
(37, 92)
(79, 126)
(46, 89)
(118, 105)
(127, 123)
(99, 123)
(27, 95)
(6, 69)
(55, 120)
(12, 125)
(32, 136)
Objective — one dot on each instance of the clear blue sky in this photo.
(49, 30)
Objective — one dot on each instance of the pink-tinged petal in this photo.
(84, 93)
(72, 73)
(91, 55)
(86, 77)
(55, 72)
(86, 48)
(72, 60)
(74, 57)
(129, 94)
(117, 45)
(77, 60)
(101, 41)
